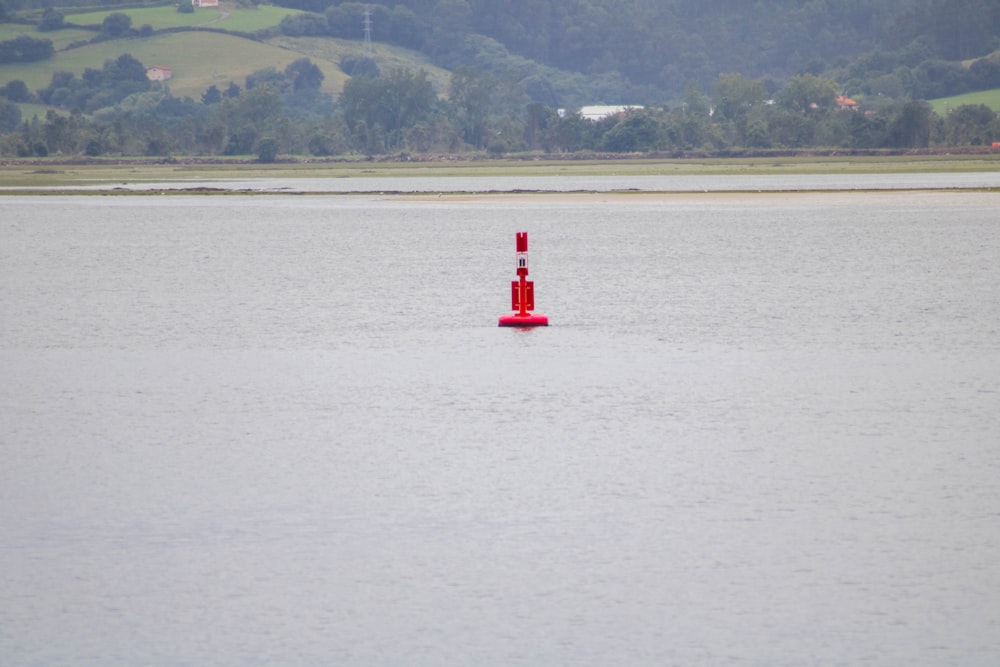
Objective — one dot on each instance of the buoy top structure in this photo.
(522, 293)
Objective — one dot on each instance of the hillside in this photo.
(227, 17)
(60, 38)
(386, 57)
(990, 98)
(453, 76)
(200, 59)
(574, 52)
(638, 51)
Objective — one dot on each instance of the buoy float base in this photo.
(529, 320)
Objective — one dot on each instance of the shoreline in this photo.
(746, 197)
(504, 176)
(476, 158)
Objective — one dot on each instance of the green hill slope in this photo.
(197, 59)
(224, 17)
(388, 58)
(60, 38)
(990, 98)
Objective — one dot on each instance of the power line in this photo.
(369, 51)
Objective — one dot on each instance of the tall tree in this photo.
(912, 125)
(52, 19)
(10, 116)
(211, 95)
(306, 77)
(471, 95)
(807, 92)
(735, 95)
(116, 24)
(970, 124)
(16, 91)
(378, 110)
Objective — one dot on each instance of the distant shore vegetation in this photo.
(118, 111)
(471, 77)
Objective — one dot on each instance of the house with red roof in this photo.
(159, 73)
(845, 102)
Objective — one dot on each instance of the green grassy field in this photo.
(388, 58)
(60, 38)
(235, 19)
(201, 59)
(226, 18)
(158, 17)
(990, 98)
(198, 60)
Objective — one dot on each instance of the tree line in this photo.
(572, 52)
(117, 111)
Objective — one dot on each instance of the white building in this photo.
(599, 112)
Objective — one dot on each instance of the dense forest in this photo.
(648, 50)
(700, 75)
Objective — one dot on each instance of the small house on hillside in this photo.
(845, 102)
(159, 73)
(205, 3)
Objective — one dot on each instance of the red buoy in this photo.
(522, 293)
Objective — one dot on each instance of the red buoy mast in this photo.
(522, 292)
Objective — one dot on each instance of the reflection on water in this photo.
(759, 430)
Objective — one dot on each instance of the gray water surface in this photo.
(762, 429)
